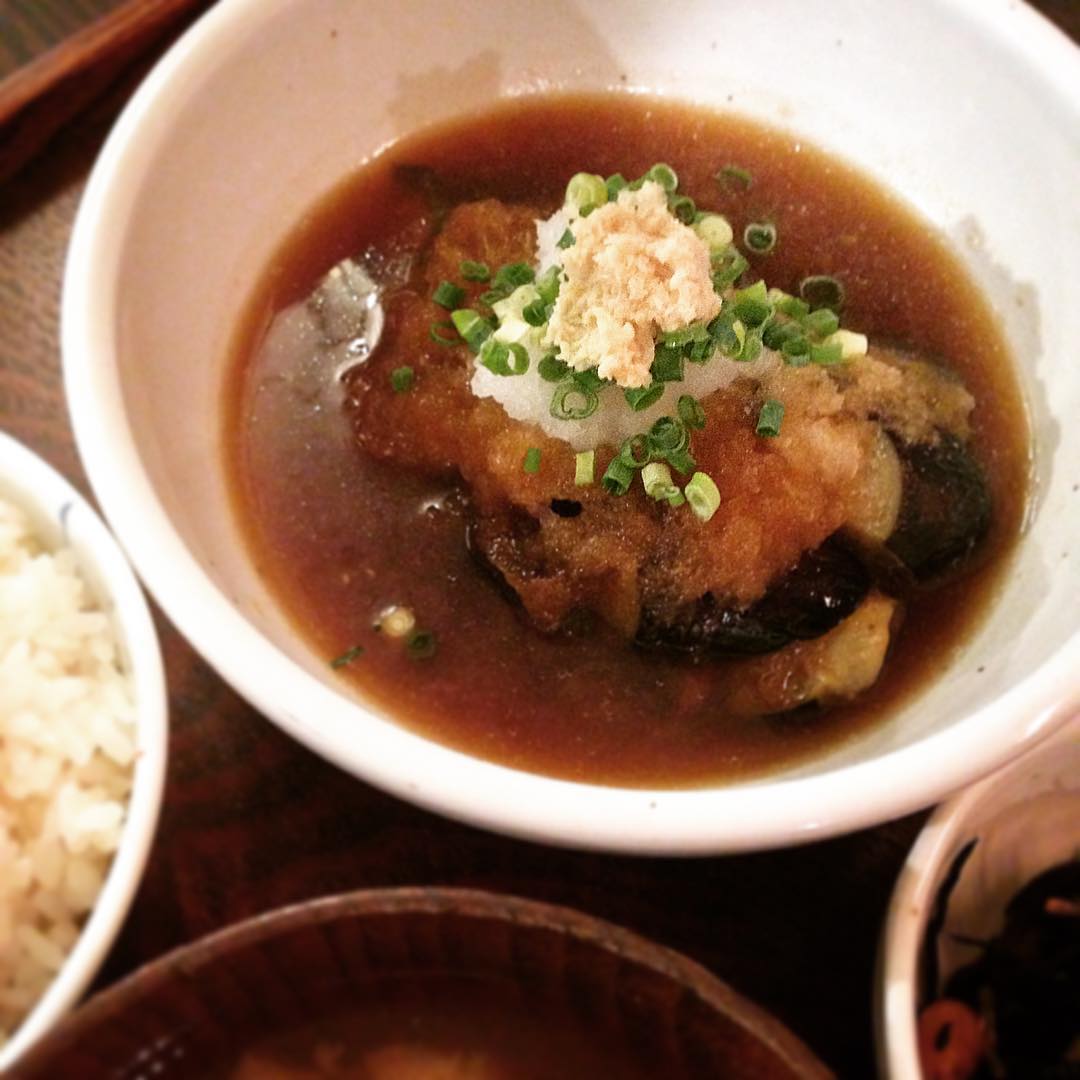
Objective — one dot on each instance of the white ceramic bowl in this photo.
(62, 518)
(1024, 819)
(970, 108)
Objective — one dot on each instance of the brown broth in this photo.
(338, 537)
(454, 1026)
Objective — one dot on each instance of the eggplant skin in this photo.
(945, 510)
(825, 587)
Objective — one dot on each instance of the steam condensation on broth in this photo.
(554, 626)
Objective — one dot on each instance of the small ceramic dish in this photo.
(60, 517)
(975, 854)
(311, 975)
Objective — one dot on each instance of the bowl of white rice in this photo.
(82, 744)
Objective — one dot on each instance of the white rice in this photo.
(67, 745)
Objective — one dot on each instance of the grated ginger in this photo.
(633, 271)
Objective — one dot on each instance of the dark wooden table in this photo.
(252, 821)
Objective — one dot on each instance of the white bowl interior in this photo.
(967, 109)
(1025, 819)
(61, 517)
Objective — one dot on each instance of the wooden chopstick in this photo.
(52, 88)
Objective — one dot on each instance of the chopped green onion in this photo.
(667, 365)
(822, 290)
(512, 275)
(472, 326)
(793, 307)
(614, 184)
(703, 495)
(395, 621)
(715, 230)
(504, 358)
(776, 333)
(531, 464)
(547, 284)
(751, 349)
(722, 333)
(770, 417)
(448, 295)
(551, 368)
(439, 336)
(514, 331)
(511, 307)
(536, 313)
(519, 359)
(618, 477)
(760, 237)
(757, 291)
(751, 311)
(734, 178)
(700, 351)
(640, 398)
(423, 645)
(670, 441)
(401, 379)
(677, 499)
(690, 412)
(851, 344)
(664, 175)
(474, 271)
(685, 335)
(751, 305)
(667, 436)
(796, 350)
(590, 378)
(822, 323)
(584, 467)
(656, 479)
(573, 400)
(826, 355)
(507, 279)
(636, 451)
(566, 240)
(347, 657)
(495, 356)
(681, 460)
(738, 328)
(683, 207)
(728, 267)
(586, 189)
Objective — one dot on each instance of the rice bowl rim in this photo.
(53, 506)
(646, 821)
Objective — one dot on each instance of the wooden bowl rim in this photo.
(189, 961)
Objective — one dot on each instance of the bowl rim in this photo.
(749, 815)
(45, 493)
(188, 961)
(900, 944)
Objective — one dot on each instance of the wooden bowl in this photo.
(192, 1012)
